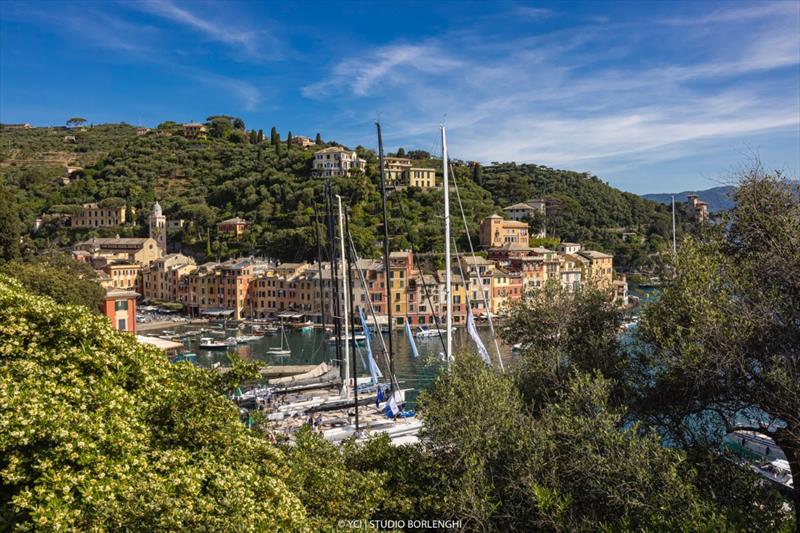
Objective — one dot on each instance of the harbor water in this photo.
(311, 347)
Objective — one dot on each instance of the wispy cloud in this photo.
(533, 12)
(391, 65)
(577, 97)
(745, 13)
(213, 29)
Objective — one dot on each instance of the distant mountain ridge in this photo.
(718, 198)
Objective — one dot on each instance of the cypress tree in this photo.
(260, 135)
(289, 140)
(274, 135)
(318, 140)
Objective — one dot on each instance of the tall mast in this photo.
(351, 263)
(319, 268)
(335, 307)
(446, 186)
(674, 246)
(346, 383)
(386, 271)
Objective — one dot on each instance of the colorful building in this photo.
(120, 308)
(496, 232)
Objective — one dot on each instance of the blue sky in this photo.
(651, 97)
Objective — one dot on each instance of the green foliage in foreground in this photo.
(98, 432)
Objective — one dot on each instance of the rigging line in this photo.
(433, 309)
(477, 271)
(372, 310)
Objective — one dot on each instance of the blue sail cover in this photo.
(374, 370)
(473, 332)
(411, 340)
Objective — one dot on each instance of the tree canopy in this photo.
(722, 343)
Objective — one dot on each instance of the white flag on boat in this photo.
(473, 332)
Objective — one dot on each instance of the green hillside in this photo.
(235, 173)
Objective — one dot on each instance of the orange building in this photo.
(496, 232)
(232, 226)
(120, 308)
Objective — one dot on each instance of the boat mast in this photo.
(346, 382)
(449, 318)
(386, 271)
(335, 307)
(319, 268)
(349, 292)
(674, 245)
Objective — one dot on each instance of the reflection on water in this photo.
(310, 348)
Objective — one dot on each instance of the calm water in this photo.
(310, 348)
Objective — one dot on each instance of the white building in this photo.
(337, 161)
(523, 211)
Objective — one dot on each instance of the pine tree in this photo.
(401, 152)
(318, 140)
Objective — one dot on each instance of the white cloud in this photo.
(389, 65)
(581, 97)
(216, 30)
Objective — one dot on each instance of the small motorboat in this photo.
(210, 344)
(424, 332)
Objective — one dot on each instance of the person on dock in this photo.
(318, 422)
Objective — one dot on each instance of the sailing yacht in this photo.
(283, 350)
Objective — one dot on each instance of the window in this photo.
(122, 324)
(121, 305)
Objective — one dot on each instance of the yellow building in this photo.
(141, 250)
(496, 232)
(394, 170)
(162, 279)
(399, 172)
(94, 216)
(124, 276)
(401, 267)
(600, 268)
(193, 130)
(424, 178)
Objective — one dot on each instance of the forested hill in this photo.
(268, 182)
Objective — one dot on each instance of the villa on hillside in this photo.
(336, 161)
(696, 209)
(232, 226)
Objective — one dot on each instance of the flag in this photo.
(473, 332)
(374, 371)
(411, 340)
